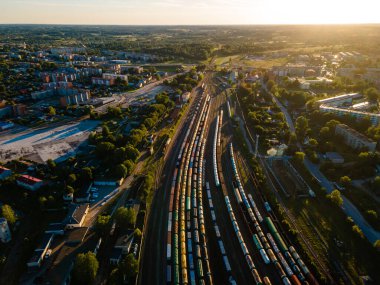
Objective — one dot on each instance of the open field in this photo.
(44, 143)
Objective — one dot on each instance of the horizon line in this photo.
(193, 25)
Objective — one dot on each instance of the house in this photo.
(39, 253)
(76, 216)
(4, 172)
(355, 139)
(56, 229)
(83, 195)
(233, 76)
(68, 197)
(29, 182)
(122, 247)
(6, 125)
(5, 233)
(116, 256)
(186, 97)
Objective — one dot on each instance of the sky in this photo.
(189, 12)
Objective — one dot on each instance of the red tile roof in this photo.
(2, 169)
(28, 179)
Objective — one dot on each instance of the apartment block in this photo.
(355, 139)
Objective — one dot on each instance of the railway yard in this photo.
(206, 226)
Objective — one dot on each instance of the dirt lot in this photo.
(41, 144)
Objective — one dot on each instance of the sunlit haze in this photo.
(178, 12)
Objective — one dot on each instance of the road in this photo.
(348, 207)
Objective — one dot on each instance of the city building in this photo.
(29, 182)
(38, 95)
(102, 81)
(115, 76)
(76, 98)
(355, 139)
(339, 100)
(4, 172)
(5, 233)
(297, 70)
(132, 69)
(374, 118)
(76, 216)
(362, 106)
(19, 110)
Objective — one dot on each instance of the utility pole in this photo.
(257, 145)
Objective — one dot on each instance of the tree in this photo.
(372, 94)
(146, 187)
(105, 131)
(302, 127)
(243, 91)
(69, 189)
(71, 179)
(125, 217)
(8, 213)
(332, 124)
(86, 174)
(103, 225)
(313, 143)
(129, 266)
(299, 156)
(120, 171)
(132, 152)
(358, 231)
(270, 84)
(376, 183)
(85, 268)
(325, 133)
(345, 181)
(335, 197)
(51, 111)
(104, 149)
(51, 164)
